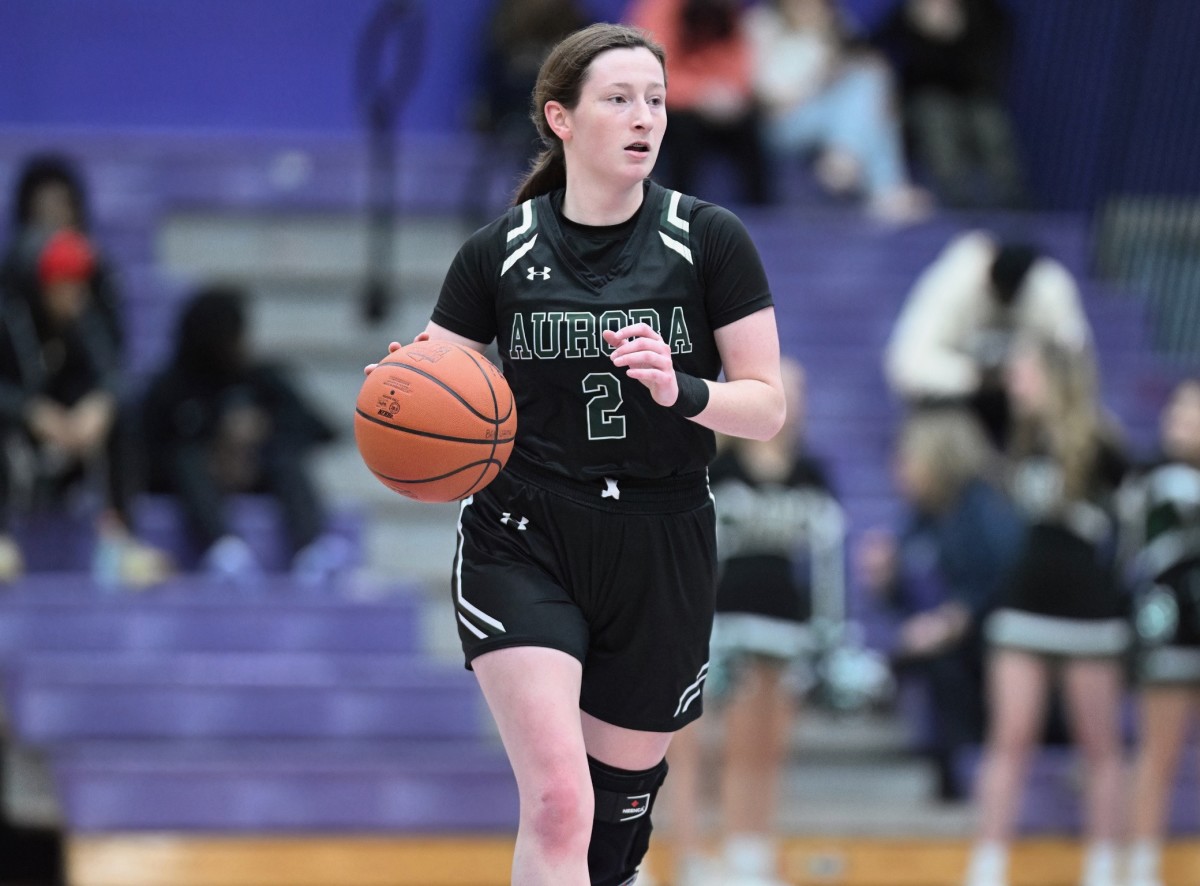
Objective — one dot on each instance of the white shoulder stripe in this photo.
(673, 213)
(526, 221)
(516, 256)
(676, 246)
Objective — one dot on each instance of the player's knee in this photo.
(621, 829)
(559, 817)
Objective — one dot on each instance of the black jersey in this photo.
(545, 288)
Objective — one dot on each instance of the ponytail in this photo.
(548, 173)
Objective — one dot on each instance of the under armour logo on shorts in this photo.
(610, 489)
(544, 273)
(520, 524)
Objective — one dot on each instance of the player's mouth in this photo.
(638, 147)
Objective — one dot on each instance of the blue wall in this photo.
(1101, 88)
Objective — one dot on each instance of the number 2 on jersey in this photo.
(603, 409)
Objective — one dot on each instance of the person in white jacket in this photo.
(950, 341)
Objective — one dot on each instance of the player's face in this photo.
(617, 126)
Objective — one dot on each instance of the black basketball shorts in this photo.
(619, 574)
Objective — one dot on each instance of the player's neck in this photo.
(592, 203)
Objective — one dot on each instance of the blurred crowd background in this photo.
(981, 222)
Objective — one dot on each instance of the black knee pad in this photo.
(621, 827)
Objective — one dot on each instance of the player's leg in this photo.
(627, 767)
(1018, 685)
(533, 694)
(1163, 714)
(1092, 691)
(760, 717)
(686, 796)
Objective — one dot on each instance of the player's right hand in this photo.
(392, 348)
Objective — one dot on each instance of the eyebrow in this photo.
(624, 85)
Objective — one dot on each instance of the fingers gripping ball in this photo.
(435, 421)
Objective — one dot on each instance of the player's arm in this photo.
(748, 403)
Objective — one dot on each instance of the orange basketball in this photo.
(435, 421)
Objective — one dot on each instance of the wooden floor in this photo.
(173, 860)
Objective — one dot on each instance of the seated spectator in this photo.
(825, 96)
(218, 422)
(519, 34)
(952, 58)
(711, 105)
(58, 398)
(951, 339)
(779, 534)
(50, 196)
(942, 575)
(1162, 510)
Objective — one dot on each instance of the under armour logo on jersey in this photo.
(520, 524)
(544, 273)
(610, 489)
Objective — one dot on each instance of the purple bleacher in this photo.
(55, 697)
(56, 541)
(448, 786)
(58, 612)
(158, 520)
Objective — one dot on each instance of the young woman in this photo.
(615, 305)
(940, 576)
(780, 533)
(1062, 614)
(1164, 510)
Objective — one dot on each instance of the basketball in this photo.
(435, 421)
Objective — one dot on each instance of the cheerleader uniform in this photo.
(1064, 598)
(1162, 510)
(779, 546)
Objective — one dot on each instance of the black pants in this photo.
(186, 473)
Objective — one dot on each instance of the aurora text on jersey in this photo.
(547, 335)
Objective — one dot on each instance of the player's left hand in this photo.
(647, 358)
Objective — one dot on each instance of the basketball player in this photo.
(584, 576)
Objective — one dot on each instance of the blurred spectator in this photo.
(219, 422)
(952, 336)
(826, 96)
(1162, 509)
(58, 403)
(711, 107)
(952, 60)
(518, 36)
(49, 196)
(942, 576)
(780, 542)
(1063, 614)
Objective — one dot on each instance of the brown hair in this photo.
(561, 79)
